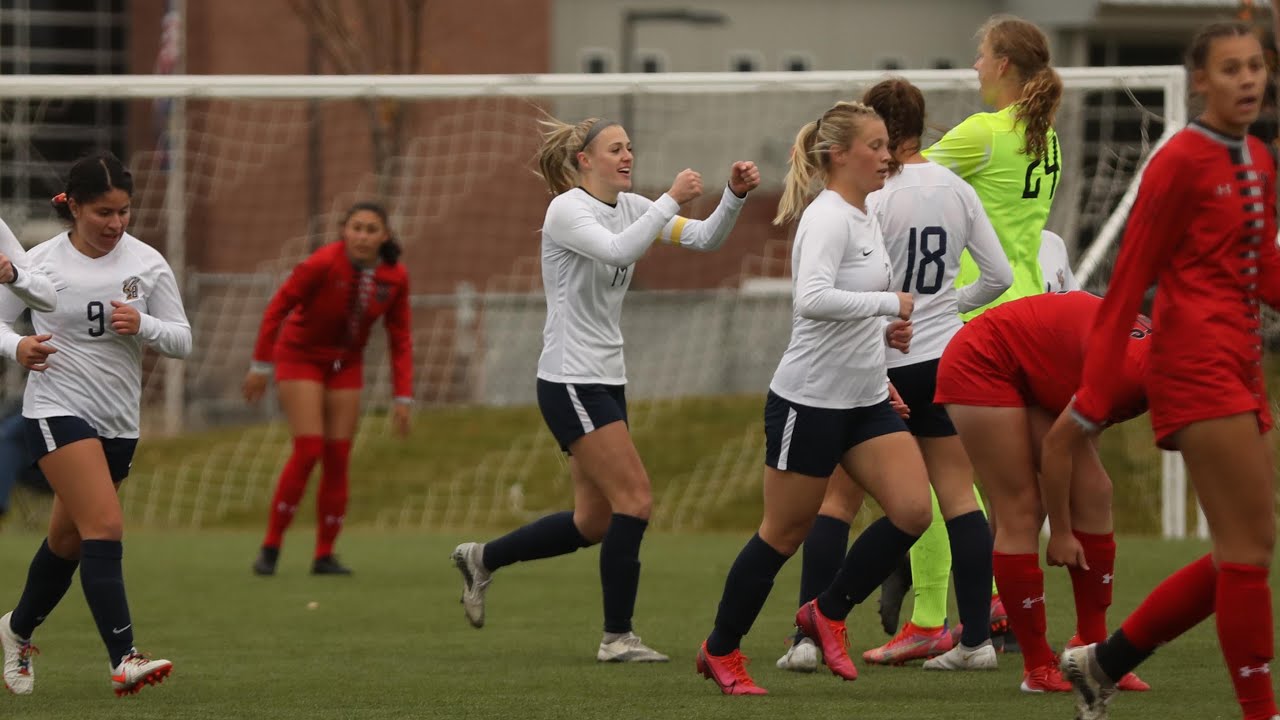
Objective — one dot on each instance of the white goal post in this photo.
(759, 113)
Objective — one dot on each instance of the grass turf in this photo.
(462, 466)
(391, 641)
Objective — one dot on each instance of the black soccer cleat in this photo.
(329, 565)
(265, 564)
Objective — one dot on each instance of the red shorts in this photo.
(973, 372)
(1176, 401)
(333, 376)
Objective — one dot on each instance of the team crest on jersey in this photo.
(131, 287)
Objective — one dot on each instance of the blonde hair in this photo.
(810, 157)
(1026, 48)
(558, 154)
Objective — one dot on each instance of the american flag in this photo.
(167, 61)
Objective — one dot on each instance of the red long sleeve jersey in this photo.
(326, 308)
(1048, 337)
(1203, 228)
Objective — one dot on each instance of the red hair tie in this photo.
(60, 199)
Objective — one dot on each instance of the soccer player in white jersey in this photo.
(595, 230)
(29, 283)
(828, 402)
(929, 217)
(115, 295)
(1055, 265)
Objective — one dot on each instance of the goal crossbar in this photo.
(1171, 78)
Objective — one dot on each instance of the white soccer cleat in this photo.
(136, 670)
(19, 675)
(802, 657)
(960, 657)
(628, 648)
(468, 557)
(1079, 667)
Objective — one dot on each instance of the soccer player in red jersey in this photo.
(1003, 379)
(1203, 230)
(315, 330)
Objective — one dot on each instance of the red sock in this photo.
(1178, 604)
(1245, 633)
(1092, 587)
(1021, 584)
(291, 485)
(331, 501)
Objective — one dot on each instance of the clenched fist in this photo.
(686, 186)
(744, 177)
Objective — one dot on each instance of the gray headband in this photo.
(594, 131)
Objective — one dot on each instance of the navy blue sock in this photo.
(47, 581)
(971, 547)
(1118, 657)
(543, 538)
(874, 555)
(102, 577)
(824, 551)
(745, 590)
(620, 570)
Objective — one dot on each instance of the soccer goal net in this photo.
(238, 178)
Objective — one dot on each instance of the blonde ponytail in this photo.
(798, 185)
(558, 154)
(808, 164)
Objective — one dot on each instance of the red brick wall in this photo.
(465, 201)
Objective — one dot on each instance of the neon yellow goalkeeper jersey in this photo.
(1016, 191)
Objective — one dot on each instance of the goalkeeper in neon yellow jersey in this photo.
(1010, 156)
(1012, 159)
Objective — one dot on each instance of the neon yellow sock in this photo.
(931, 572)
(982, 506)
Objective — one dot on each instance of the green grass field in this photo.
(391, 642)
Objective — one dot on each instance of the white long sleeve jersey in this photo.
(96, 374)
(930, 216)
(840, 279)
(32, 287)
(589, 249)
(1055, 265)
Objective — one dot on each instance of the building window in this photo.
(651, 61)
(797, 62)
(596, 60)
(942, 64)
(890, 64)
(745, 61)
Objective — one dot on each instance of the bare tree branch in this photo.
(371, 40)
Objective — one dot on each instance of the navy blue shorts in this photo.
(811, 441)
(44, 435)
(916, 383)
(573, 410)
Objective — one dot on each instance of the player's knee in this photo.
(785, 542)
(913, 518)
(65, 544)
(636, 505)
(635, 499)
(839, 510)
(785, 535)
(592, 524)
